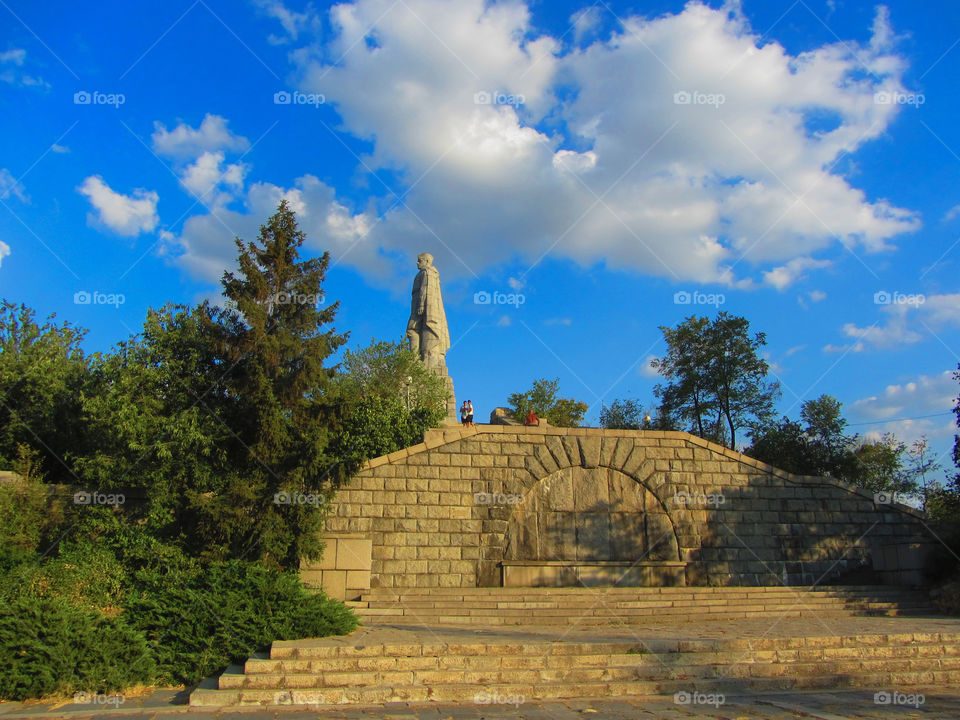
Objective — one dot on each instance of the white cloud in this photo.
(646, 368)
(205, 247)
(293, 23)
(785, 275)
(952, 214)
(817, 295)
(515, 283)
(504, 321)
(185, 142)
(925, 395)
(4, 251)
(10, 63)
(15, 56)
(794, 350)
(124, 214)
(59, 149)
(585, 22)
(906, 323)
(206, 174)
(687, 190)
(10, 186)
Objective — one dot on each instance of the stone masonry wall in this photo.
(448, 512)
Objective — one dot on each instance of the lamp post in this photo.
(407, 385)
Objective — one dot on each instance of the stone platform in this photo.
(691, 651)
(498, 505)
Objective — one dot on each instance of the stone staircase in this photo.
(323, 673)
(512, 645)
(603, 606)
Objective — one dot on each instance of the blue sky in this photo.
(792, 162)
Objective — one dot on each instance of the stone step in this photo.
(510, 693)
(502, 620)
(539, 592)
(557, 608)
(321, 672)
(921, 671)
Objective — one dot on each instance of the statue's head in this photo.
(424, 260)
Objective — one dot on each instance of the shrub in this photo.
(198, 622)
(51, 647)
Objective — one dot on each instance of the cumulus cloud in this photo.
(207, 173)
(127, 215)
(925, 395)
(907, 319)
(585, 22)
(639, 173)
(185, 142)
(205, 246)
(10, 186)
(785, 275)
(647, 369)
(4, 251)
(952, 214)
(618, 151)
(293, 22)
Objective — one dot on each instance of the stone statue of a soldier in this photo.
(427, 332)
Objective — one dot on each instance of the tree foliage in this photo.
(544, 399)
(716, 378)
(392, 399)
(42, 374)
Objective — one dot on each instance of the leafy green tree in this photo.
(716, 377)
(880, 467)
(159, 420)
(288, 414)
(42, 373)
(624, 415)
(392, 399)
(543, 398)
(818, 447)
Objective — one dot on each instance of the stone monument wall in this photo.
(516, 505)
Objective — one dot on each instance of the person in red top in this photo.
(531, 418)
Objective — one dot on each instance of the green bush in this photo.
(198, 622)
(51, 647)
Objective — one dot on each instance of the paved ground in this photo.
(847, 705)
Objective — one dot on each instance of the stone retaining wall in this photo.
(449, 511)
